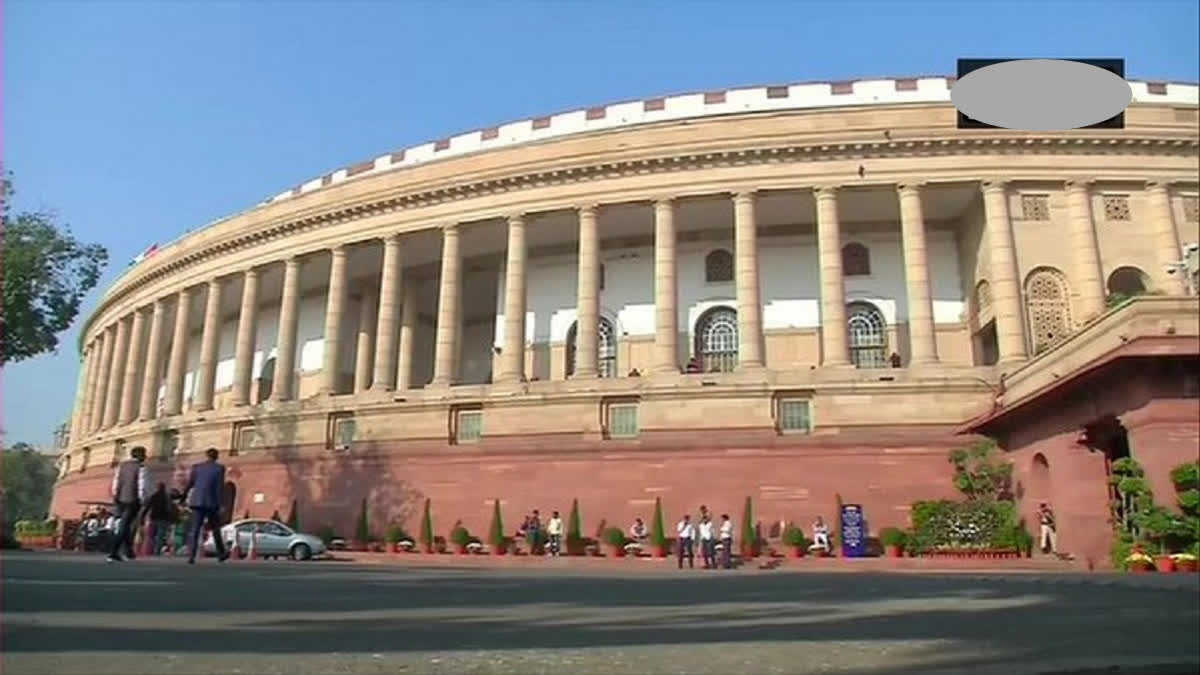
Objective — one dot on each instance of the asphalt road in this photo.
(64, 613)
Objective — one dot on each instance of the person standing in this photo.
(554, 528)
(708, 544)
(1048, 537)
(687, 534)
(726, 541)
(205, 483)
(128, 493)
(158, 509)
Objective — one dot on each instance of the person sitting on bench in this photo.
(820, 536)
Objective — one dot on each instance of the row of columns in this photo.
(113, 361)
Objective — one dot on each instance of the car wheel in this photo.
(301, 552)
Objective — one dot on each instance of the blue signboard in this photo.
(854, 531)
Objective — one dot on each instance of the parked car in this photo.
(273, 539)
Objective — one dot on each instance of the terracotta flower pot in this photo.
(499, 550)
(1140, 567)
(616, 551)
(1164, 563)
(894, 551)
(660, 551)
(1185, 566)
(798, 551)
(461, 548)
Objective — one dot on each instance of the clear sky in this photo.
(137, 121)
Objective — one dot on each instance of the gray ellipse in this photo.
(1041, 95)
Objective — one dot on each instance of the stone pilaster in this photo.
(210, 344)
(587, 301)
(749, 299)
(1089, 284)
(179, 349)
(364, 348)
(666, 310)
(834, 351)
(334, 306)
(512, 361)
(133, 368)
(1166, 237)
(247, 335)
(408, 332)
(445, 361)
(1004, 282)
(922, 334)
(80, 393)
(112, 399)
(84, 423)
(100, 380)
(289, 315)
(152, 373)
(389, 308)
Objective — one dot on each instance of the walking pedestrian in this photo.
(205, 483)
(158, 509)
(1048, 535)
(687, 534)
(726, 541)
(554, 528)
(708, 544)
(128, 492)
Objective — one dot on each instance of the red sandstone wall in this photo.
(1162, 435)
(795, 484)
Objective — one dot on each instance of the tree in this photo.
(981, 474)
(496, 532)
(574, 530)
(47, 272)
(427, 528)
(29, 478)
(362, 529)
(293, 520)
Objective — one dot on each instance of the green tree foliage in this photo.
(427, 528)
(293, 519)
(47, 271)
(496, 532)
(28, 483)
(658, 533)
(981, 474)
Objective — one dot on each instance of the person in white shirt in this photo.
(708, 545)
(687, 534)
(820, 535)
(637, 531)
(726, 541)
(554, 530)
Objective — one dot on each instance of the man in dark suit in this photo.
(128, 493)
(205, 484)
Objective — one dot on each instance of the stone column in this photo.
(1166, 238)
(666, 311)
(112, 399)
(210, 344)
(445, 366)
(98, 384)
(749, 299)
(247, 336)
(512, 361)
(133, 368)
(334, 306)
(177, 365)
(1089, 283)
(1004, 283)
(153, 370)
(389, 305)
(922, 335)
(80, 425)
(365, 346)
(408, 332)
(587, 302)
(289, 315)
(834, 351)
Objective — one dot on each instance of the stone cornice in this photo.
(1003, 143)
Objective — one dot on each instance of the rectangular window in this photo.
(85, 459)
(795, 416)
(343, 431)
(468, 424)
(245, 438)
(1191, 386)
(623, 420)
(119, 453)
(168, 444)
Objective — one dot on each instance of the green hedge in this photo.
(966, 525)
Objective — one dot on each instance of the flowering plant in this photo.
(1183, 557)
(1139, 556)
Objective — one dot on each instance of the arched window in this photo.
(868, 335)
(1047, 302)
(856, 260)
(718, 266)
(983, 297)
(1126, 282)
(717, 340)
(606, 346)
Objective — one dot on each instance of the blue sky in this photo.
(137, 121)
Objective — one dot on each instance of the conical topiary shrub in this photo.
(658, 533)
(748, 535)
(293, 520)
(496, 531)
(362, 529)
(427, 528)
(575, 543)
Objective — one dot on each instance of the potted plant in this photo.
(575, 543)
(362, 529)
(893, 540)
(461, 538)
(1184, 562)
(293, 520)
(438, 545)
(399, 540)
(794, 537)
(615, 539)
(1138, 561)
(658, 533)
(496, 539)
(749, 538)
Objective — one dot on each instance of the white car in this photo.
(270, 538)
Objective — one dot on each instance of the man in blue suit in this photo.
(205, 484)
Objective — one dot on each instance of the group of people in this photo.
(133, 505)
(707, 535)
(541, 540)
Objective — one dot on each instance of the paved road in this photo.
(72, 614)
